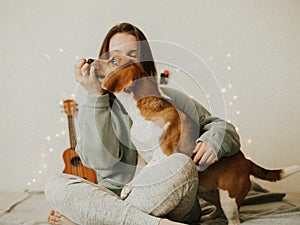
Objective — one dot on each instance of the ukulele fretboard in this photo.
(72, 132)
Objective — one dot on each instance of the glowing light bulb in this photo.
(238, 112)
(223, 90)
(43, 155)
(249, 141)
(51, 150)
(228, 67)
(39, 172)
(228, 55)
(47, 56)
(237, 129)
(48, 138)
(34, 180)
(230, 103)
(235, 97)
(61, 50)
(57, 135)
(45, 166)
(61, 120)
(229, 85)
(29, 183)
(63, 132)
(211, 58)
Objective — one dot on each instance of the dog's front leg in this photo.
(126, 190)
(141, 163)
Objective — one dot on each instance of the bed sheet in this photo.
(24, 208)
(259, 207)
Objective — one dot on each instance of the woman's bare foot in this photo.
(58, 219)
(168, 222)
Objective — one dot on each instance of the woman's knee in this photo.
(160, 187)
(176, 168)
(184, 166)
(58, 184)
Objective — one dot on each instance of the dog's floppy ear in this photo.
(121, 78)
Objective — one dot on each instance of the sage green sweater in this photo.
(104, 136)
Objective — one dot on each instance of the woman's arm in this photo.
(104, 142)
(98, 145)
(103, 130)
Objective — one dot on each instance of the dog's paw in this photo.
(125, 191)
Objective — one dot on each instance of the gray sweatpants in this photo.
(167, 189)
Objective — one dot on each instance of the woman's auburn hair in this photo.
(144, 51)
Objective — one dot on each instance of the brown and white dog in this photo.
(159, 129)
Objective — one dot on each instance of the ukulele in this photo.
(73, 164)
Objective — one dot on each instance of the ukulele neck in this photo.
(72, 132)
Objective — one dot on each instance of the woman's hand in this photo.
(204, 155)
(85, 75)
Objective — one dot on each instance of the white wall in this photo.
(40, 41)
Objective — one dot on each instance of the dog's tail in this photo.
(272, 175)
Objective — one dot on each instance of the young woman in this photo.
(167, 190)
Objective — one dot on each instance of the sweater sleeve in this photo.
(104, 142)
(216, 132)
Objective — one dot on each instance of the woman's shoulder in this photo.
(173, 93)
(178, 96)
(183, 101)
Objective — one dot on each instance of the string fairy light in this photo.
(62, 120)
(232, 99)
(49, 139)
(44, 155)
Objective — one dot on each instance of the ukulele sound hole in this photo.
(75, 161)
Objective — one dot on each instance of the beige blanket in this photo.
(260, 207)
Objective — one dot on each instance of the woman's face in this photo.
(123, 44)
